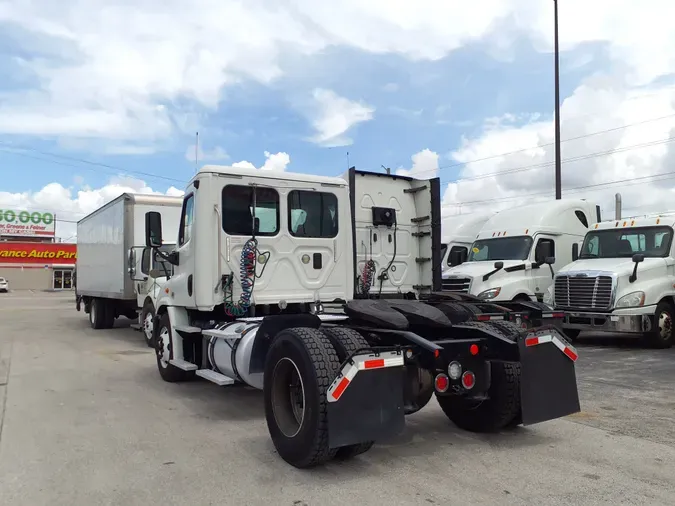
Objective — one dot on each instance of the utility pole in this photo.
(558, 171)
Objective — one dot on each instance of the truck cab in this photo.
(622, 281)
(461, 232)
(516, 252)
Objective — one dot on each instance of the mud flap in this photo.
(548, 382)
(365, 401)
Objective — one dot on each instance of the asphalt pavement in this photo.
(86, 420)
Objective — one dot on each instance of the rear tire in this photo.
(661, 336)
(164, 352)
(347, 341)
(493, 414)
(512, 330)
(572, 334)
(100, 314)
(299, 433)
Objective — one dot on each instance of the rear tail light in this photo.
(468, 380)
(442, 383)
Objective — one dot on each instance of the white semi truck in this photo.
(323, 293)
(516, 252)
(461, 232)
(622, 281)
(113, 270)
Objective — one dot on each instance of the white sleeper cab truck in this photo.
(623, 281)
(111, 280)
(462, 232)
(275, 285)
(516, 253)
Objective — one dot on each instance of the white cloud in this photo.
(277, 161)
(424, 165)
(210, 155)
(617, 136)
(332, 116)
(70, 205)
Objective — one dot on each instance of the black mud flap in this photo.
(548, 381)
(365, 402)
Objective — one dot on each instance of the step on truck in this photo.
(622, 282)
(116, 274)
(320, 291)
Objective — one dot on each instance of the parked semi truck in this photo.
(622, 281)
(270, 290)
(461, 231)
(113, 276)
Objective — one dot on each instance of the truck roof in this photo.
(543, 216)
(647, 220)
(464, 225)
(142, 199)
(271, 174)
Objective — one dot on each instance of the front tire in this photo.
(493, 414)
(147, 323)
(164, 352)
(661, 336)
(300, 366)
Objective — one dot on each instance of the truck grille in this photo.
(583, 292)
(456, 284)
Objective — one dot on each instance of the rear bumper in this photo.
(633, 321)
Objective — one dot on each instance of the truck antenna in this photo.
(347, 160)
(387, 169)
(196, 151)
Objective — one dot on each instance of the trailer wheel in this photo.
(661, 335)
(100, 315)
(347, 341)
(164, 352)
(299, 368)
(147, 323)
(470, 308)
(456, 313)
(572, 334)
(499, 411)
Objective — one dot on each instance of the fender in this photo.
(177, 316)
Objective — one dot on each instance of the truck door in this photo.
(541, 278)
(183, 279)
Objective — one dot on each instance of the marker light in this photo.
(442, 383)
(468, 380)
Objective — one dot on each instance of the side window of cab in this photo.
(185, 232)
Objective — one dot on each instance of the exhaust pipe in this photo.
(617, 206)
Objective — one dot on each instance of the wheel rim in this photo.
(665, 325)
(288, 397)
(163, 353)
(148, 326)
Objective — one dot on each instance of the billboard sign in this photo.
(36, 253)
(27, 223)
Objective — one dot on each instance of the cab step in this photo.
(187, 329)
(221, 334)
(215, 377)
(183, 364)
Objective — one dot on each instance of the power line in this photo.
(523, 150)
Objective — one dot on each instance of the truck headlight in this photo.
(633, 299)
(548, 296)
(490, 294)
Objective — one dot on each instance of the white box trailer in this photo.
(105, 239)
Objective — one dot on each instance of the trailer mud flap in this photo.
(548, 382)
(365, 401)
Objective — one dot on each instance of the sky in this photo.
(99, 97)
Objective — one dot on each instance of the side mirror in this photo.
(153, 229)
(638, 258)
(542, 252)
(131, 263)
(575, 252)
(457, 257)
(549, 260)
(499, 265)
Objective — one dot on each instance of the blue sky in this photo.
(105, 96)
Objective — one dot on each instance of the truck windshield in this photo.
(501, 248)
(624, 243)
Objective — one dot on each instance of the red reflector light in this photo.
(437, 353)
(531, 341)
(483, 318)
(468, 380)
(558, 315)
(442, 383)
(473, 349)
(373, 364)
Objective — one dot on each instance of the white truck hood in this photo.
(620, 266)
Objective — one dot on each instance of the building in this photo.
(30, 257)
